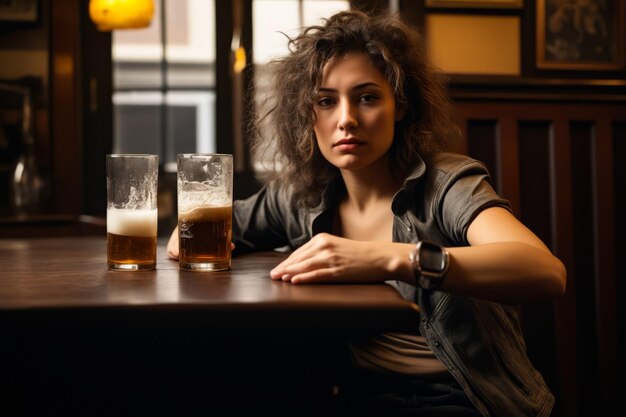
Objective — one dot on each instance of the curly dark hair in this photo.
(397, 51)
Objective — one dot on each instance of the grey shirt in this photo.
(480, 342)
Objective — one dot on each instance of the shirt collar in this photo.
(330, 195)
(416, 173)
(335, 187)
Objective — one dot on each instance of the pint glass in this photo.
(132, 211)
(205, 199)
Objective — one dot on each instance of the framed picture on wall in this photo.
(476, 4)
(580, 35)
(18, 15)
(19, 11)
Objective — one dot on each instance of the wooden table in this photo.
(71, 328)
(67, 278)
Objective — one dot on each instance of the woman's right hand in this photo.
(172, 245)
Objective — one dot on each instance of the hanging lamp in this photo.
(121, 14)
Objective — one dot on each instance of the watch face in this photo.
(431, 257)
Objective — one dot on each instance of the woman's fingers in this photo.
(328, 258)
(316, 263)
(301, 262)
(306, 253)
(296, 256)
(318, 276)
(325, 258)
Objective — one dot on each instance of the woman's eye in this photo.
(368, 98)
(324, 102)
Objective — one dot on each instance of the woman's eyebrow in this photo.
(356, 87)
(365, 85)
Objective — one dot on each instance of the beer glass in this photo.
(132, 211)
(205, 200)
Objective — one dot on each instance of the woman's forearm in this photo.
(506, 272)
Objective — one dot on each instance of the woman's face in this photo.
(355, 113)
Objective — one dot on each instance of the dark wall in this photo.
(558, 156)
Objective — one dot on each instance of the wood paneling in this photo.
(605, 268)
(619, 176)
(561, 163)
(65, 107)
(561, 212)
(533, 163)
(584, 261)
(97, 112)
(481, 141)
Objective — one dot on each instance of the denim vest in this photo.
(480, 342)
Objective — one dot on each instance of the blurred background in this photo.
(539, 87)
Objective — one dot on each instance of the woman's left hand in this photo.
(328, 258)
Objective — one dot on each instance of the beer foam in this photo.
(132, 222)
(207, 213)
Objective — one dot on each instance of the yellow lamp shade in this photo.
(121, 14)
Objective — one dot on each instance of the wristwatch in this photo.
(430, 263)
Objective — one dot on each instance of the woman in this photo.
(359, 119)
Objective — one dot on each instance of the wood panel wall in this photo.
(65, 105)
(562, 165)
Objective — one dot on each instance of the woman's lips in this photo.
(348, 144)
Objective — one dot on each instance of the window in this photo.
(164, 78)
(164, 83)
(272, 18)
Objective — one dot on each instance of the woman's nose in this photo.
(347, 117)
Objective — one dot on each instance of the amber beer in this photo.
(205, 200)
(131, 239)
(205, 235)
